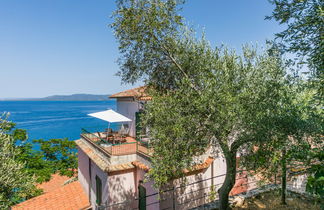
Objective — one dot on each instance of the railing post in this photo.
(275, 178)
(174, 198)
(136, 146)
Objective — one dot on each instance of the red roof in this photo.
(138, 93)
(141, 165)
(70, 196)
(56, 181)
(200, 167)
(195, 168)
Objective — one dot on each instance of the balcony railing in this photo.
(128, 147)
(143, 145)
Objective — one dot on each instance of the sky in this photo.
(55, 47)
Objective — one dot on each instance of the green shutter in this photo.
(98, 190)
(142, 197)
(139, 128)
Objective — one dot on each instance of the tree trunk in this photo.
(284, 177)
(229, 180)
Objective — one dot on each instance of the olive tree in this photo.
(303, 33)
(229, 109)
(202, 96)
(16, 183)
(294, 136)
(303, 37)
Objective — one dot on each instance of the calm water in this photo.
(56, 119)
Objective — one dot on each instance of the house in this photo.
(112, 174)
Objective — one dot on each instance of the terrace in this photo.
(114, 144)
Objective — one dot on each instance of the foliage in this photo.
(28, 165)
(213, 194)
(16, 183)
(304, 32)
(304, 37)
(148, 32)
(54, 155)
(35, 164)
(61, 155)
(229, 109)
(315, 182)
(201, 96)
(295, 136)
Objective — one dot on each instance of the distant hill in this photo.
(73, 97)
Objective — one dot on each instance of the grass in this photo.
(272, 200)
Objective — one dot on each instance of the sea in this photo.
(56, 119)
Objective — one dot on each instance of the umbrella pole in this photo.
(108, 127)
(107, 134)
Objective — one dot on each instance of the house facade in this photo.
(113, 175)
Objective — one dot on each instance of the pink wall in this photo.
(121, 188)
(152, 202)
(84, 178)
(83, 170)
(194, 195)
(96, 171)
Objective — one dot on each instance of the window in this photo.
(98, 190)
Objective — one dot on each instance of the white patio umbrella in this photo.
(110, 116)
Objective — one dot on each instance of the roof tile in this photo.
(70, 196)
(138, 93)
(55, 182)
(196, 167)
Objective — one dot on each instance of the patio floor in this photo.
(129, 146)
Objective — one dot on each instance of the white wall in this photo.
(128, 108)
(297, 182)
(219, 169)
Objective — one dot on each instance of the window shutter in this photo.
(98, 190)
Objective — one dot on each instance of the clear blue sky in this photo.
(52, 47)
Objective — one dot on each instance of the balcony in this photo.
(117, 145)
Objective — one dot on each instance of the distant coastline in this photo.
(73, 97)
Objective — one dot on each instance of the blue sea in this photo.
(56, 119)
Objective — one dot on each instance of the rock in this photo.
(259, 204)
(238, 201)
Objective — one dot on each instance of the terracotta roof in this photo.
(92, 154)
(99, 161)
(56, 181)
(141, 165)
(120, 167)
(67, 197)
(195, 168)
(137, 93)
(200, 166)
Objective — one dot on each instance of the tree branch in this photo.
(169, 55)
